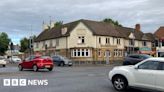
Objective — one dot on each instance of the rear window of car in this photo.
(145, 56)
(134, 56)
(45, 57)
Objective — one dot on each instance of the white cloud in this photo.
(18, 15)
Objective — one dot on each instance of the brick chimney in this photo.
(138, 27)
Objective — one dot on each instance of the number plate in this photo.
(47, 66)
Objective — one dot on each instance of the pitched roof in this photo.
(97, 28)
(151, 36)
(160, 32)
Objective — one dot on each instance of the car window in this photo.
(29, 58)
(161, 66)
(150, 65)
(56, 58)
(134, 56)
(144, 56)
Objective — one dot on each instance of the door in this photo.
(28, 62)
(145, 74)
(160, 76)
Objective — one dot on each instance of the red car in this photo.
(36, 63)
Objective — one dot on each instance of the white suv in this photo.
(148, 74)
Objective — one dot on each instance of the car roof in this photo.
(156, 59)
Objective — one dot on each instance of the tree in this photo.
(58, 23)
(4, 43)
(109, 20)
(24, 44)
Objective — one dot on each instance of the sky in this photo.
(21, 18)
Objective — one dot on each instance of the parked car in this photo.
(15, 59)
(135, 58)
(3, 61)
(61, 61)
(147, 74)
(36, 63)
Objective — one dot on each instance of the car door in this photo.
(28, 62)
(57, 59)
(160, 77)
(145, 74)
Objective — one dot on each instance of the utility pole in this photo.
(31, 41)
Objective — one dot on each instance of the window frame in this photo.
(148, 62)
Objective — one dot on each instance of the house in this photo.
(160, 44)
(88, 41)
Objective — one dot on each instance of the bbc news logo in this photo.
(24, 82)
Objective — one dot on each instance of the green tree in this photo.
(4, 43)
(24, 44)
(58, 23)
(109, 20)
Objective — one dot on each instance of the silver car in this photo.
(61, 61)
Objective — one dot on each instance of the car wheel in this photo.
(35, 68)
(62, 64)
(3, 65)
(120, 83)
(50, 69)
(20, 68)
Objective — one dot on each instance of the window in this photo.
(75, 53)
(161, 66)
(150, 65)
(107, 40)
(118, 41)
(83, 52)
(99, 40)
(81, 39)
(99, 53)
(80, 53)
(144, 43)
(162, 42)
(131, 42)
(87, 52)
(106, 53)
(118, 53)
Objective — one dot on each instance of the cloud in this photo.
(17, 16)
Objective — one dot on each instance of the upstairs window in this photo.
(107, 40)
(144, 43)
(118, 41)
(99, 40)
(81, 39)
(131, 42)
(162, 42)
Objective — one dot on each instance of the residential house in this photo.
(160, 44)
(88, 41)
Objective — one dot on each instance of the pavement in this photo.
(62, 79)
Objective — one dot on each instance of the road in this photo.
(62, 79)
